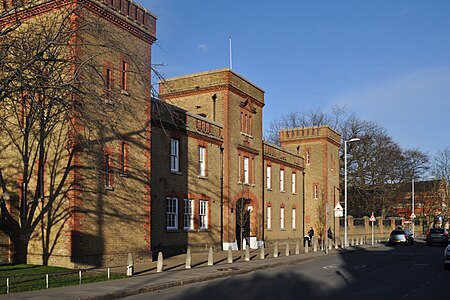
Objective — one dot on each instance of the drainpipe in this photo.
(221, 197)
(303, 192)
(214, 97)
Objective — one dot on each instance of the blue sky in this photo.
(386, 61)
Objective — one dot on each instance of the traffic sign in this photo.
(372, 218)
(338, 211)
(413, 216)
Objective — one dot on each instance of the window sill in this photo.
(269, 229)
(202, 177)
(126, 93)
(247, 135)
(124, 175)
(109, 188)
(269, 189)
(282, 191)
(172, 230)
(283, 229)
(176, 172)
(294, 194)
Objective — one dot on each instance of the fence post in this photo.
(7, 285)
(79, 275)
(46, 281)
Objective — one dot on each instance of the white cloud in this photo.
(203, 47)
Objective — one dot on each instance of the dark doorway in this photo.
(242, 222)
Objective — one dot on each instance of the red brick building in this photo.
(267, 193)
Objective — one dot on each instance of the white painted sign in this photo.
(338, 211)
(372, 218)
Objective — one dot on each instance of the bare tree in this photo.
(441, 165)
(54, 105)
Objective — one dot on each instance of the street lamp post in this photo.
(413, 215)
(345, 189)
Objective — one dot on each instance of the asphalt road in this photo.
(400, 272)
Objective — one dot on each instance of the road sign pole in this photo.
(372, 234)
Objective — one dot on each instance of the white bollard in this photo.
(275, 250)
(297, 248)
(315, 245)
(210, 257)
(247, 253)
(160, 263)
(130, 265)
(230, 255)
(306, 248)
(79, 276)
(188, 259)
(262, 254)
(46, 281)
(287, 249)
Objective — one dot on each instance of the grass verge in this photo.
(24, 278)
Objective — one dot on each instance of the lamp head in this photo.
(354, 140)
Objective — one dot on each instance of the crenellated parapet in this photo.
(307, 133)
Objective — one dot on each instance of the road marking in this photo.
(345, 267)
(424, 265)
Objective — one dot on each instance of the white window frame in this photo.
(203, 214)
(201, 161)
(174, 155)
(316, 191)
(282, 180)
(188, 214)
(269, 177)
(294, 217)
(294, 183)
(281, 217)
(171, 213)
(269, 217)
(246, 170)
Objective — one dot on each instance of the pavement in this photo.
(147, 279)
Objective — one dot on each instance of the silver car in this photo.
(447, 257)
(400, 236)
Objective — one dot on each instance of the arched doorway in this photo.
(243, 220)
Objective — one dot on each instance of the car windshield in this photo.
(397, 232)
(437, 230)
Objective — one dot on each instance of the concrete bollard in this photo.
(353, 241)
(286, 253)
(330, 244)
(210, 257)
(336, 246)
(130, 265)
(247, 254)
(306, 248)
(357, 241)
(188, 259)
(262, 254)
(315, 245)
(230, 255)
(321, 245)
(275, 250)
(342, 243)
(297, 248)
(160, 263)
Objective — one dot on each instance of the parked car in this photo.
(437, 236)
(401, 236)
(447, 257)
